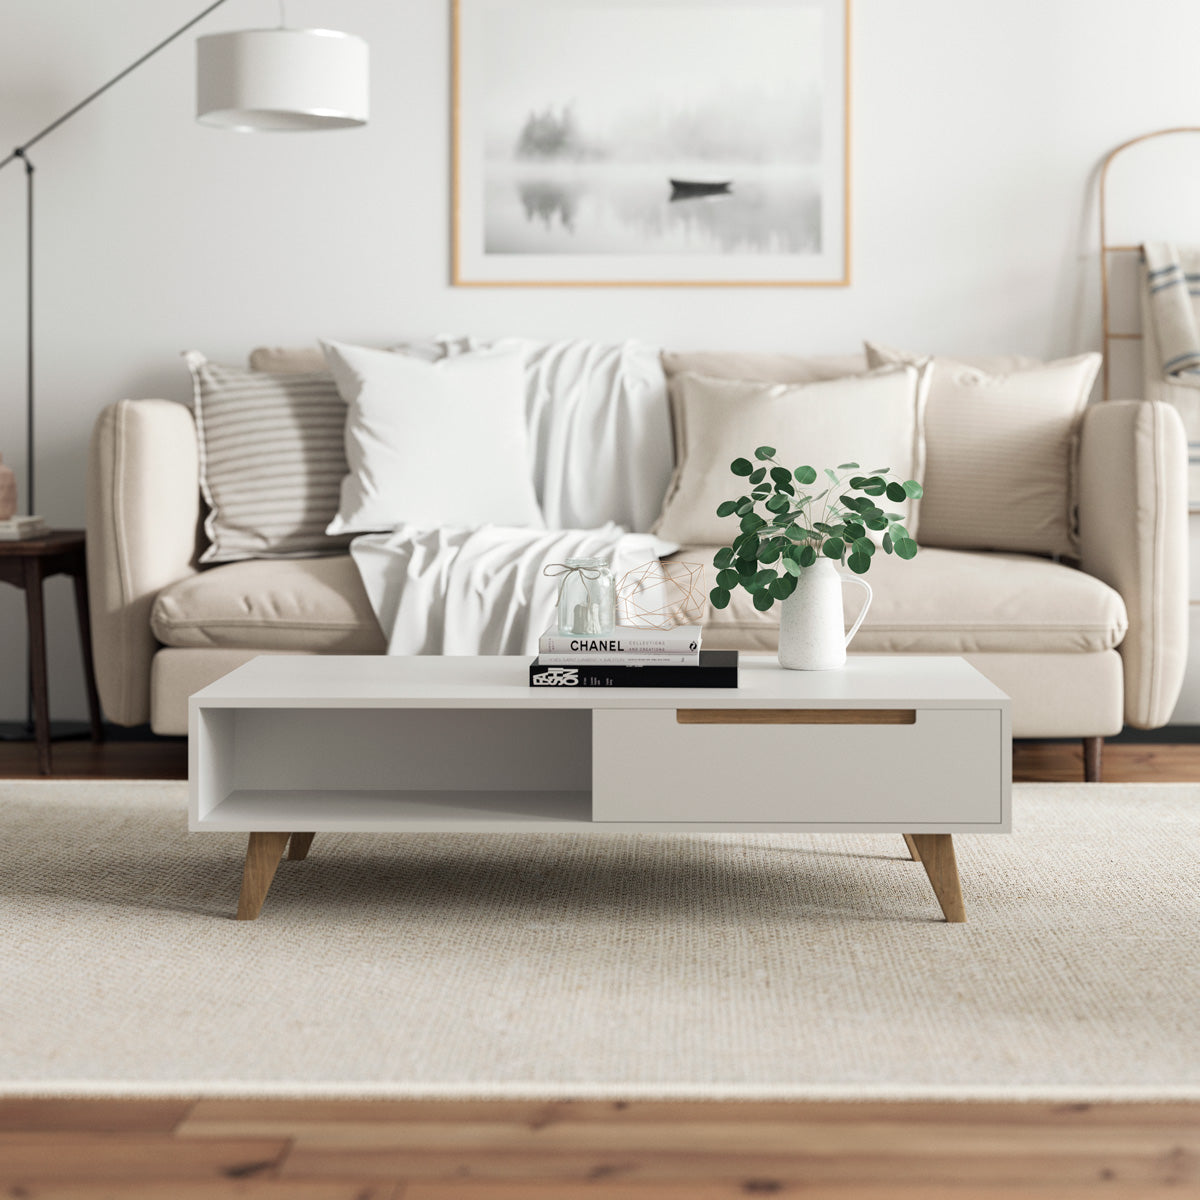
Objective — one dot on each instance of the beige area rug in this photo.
(690, 965)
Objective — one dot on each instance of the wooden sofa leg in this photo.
(1093, 748)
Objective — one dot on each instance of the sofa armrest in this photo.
(1133, 513)
(143, 507)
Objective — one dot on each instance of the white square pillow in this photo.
(1000, 452)
(873, 419)
(433, 443)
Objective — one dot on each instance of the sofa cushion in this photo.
(873, 419)
(950, 602)
(1000, 452)
(305, 604)
(271, 460)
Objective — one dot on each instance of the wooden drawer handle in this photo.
(796, 716)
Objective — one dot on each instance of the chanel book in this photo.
(624, 639)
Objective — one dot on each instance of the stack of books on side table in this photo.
(631, 657)
(17, 529)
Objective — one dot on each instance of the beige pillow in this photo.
(872, 419)
(1000, 452)
(770, 368)
(287, 360)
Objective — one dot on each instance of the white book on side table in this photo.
(16, 529)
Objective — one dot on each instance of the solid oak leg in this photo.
(937, 855)
(262, 857)
(85, 645)
(1093, 749)
(912, 847)
(299, 845)
(36, 619)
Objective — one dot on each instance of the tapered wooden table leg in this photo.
(298, 847)
(262, 858)
(936, 851)
(912, 847)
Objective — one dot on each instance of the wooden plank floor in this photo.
(589, 1150)
(599, 1150)
(1055, 762)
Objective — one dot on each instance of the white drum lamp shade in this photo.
(281, 80)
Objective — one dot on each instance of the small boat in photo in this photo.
(687, 189)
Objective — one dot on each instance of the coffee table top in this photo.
(434, 681)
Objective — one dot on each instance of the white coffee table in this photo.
(286, 747)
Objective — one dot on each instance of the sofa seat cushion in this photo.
(303, 604)
(950, 602)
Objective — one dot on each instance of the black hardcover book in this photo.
(717, 669)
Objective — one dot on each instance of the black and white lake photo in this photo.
(635, 132)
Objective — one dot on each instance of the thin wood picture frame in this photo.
(562, 208)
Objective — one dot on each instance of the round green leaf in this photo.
(863, 545)
(805, 475)
(765, 452)
(860, 564)
(887, 543)
(781, 475)
(727, 508)
(833, 547)
(741, 466)
(720, 597)
(913, 489)
(783, 587)
(723, 557)
(746, 506)
(728, 578)
(751, 522)
(905, 547)
(763, 601)
(896, 493)
(876, 523)
(764, 578)
(808, 556)
(768, 554)
(791, 566)
(746, 567)
(779, 504)
(758, 475)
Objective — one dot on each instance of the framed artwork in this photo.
(670, 142)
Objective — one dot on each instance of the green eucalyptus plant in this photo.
(796, 526)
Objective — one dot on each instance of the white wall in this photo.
(977, 127)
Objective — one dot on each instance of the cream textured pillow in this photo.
(433, 443)
(271, 460)
(1000, 453)
(872, 419)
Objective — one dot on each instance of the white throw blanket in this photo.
(455, 590)
(598, 423)
(1171, 340)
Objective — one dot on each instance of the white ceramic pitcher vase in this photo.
(812, 633)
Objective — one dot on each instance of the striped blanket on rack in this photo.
(1173, 295)
(1171, 340)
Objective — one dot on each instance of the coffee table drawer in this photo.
(913, 767)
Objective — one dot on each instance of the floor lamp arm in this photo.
(20, 153)
(133, 66)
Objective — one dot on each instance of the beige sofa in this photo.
(1081, 648)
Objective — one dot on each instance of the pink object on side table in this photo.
(8, 491)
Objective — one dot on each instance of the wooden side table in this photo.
(25, 564)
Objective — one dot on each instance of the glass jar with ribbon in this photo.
(586, 596)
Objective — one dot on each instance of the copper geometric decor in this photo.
(661, 595)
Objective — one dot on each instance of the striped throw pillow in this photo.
(272, 460)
